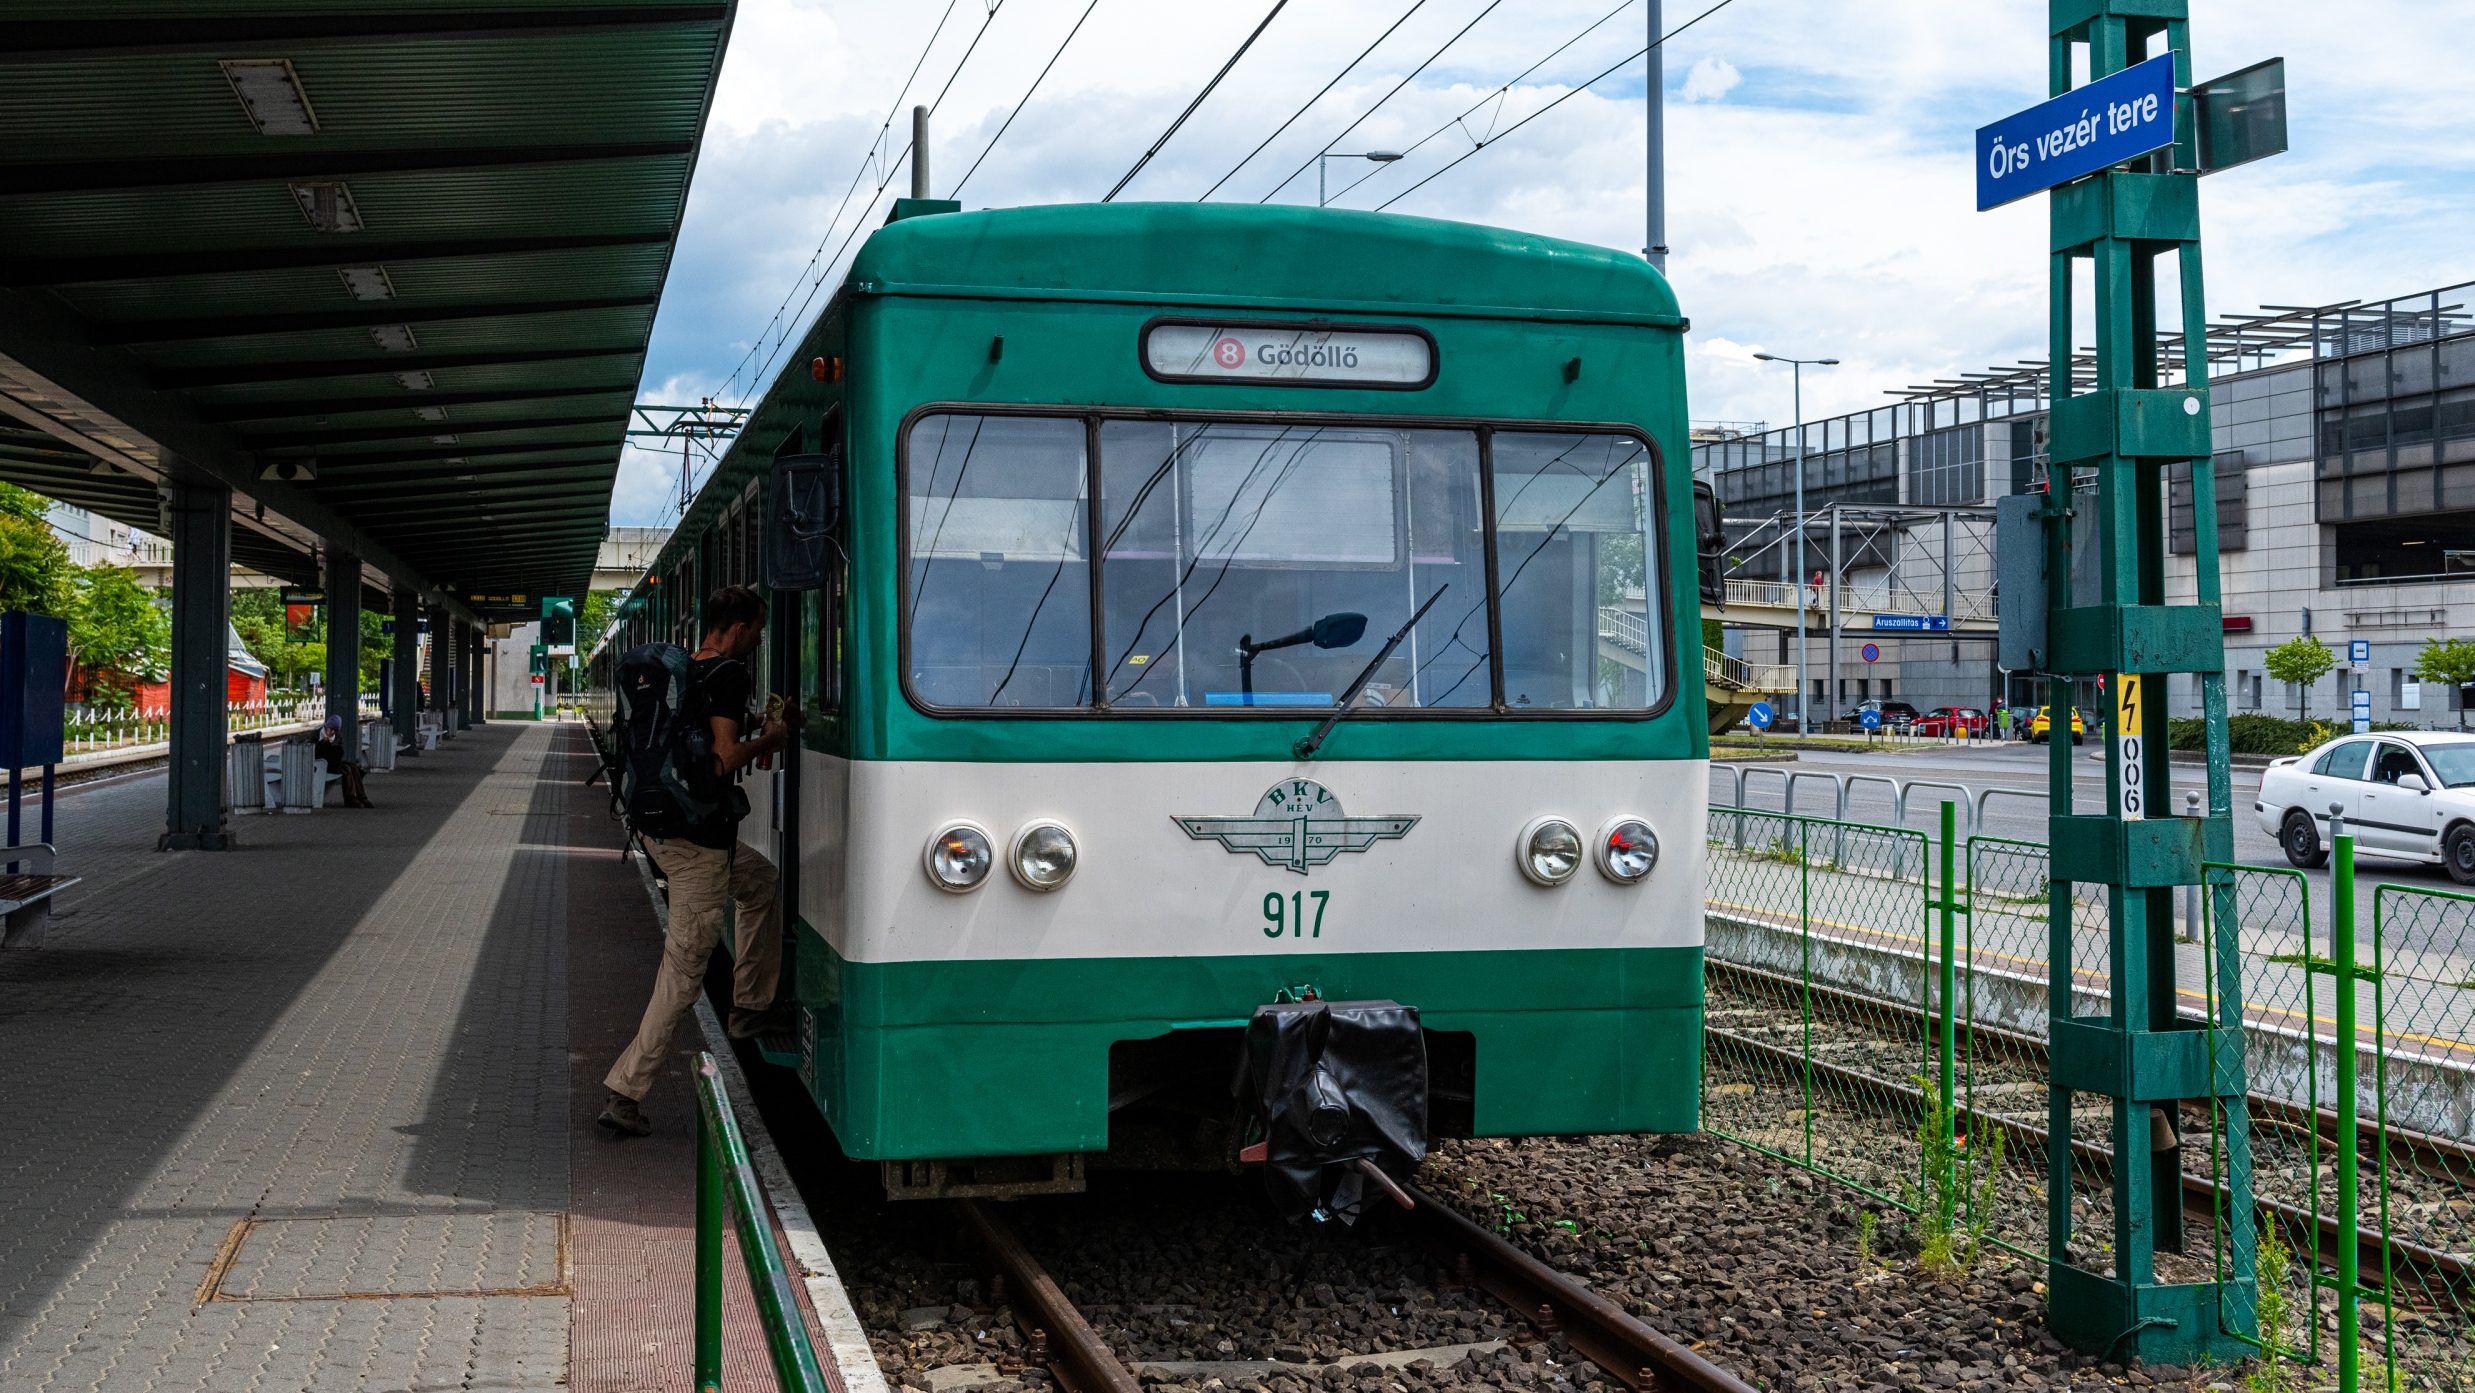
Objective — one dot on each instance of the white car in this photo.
(2406, 794)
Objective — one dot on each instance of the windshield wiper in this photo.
(1305, 749)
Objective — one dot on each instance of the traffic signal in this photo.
(558, 621)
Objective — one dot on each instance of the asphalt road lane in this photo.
(2022, 772)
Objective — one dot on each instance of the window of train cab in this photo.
(1535, 539)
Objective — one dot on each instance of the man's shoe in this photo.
(625, 1116)
(747, 1025)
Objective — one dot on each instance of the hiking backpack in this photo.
(658, 745)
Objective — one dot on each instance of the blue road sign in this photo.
(1871, 652)
(2362, 711)
(1760, 716)
(1911, 623)
(2359, 652)
(2104, 123)
(1869, 718)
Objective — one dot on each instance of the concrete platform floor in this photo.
(316, 1113)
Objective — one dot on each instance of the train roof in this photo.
(1238, 254)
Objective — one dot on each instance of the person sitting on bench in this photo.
(330, 748)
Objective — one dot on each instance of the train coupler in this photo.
(1339, 1091)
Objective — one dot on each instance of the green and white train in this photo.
(1099, 515)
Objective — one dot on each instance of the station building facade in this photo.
(2345, 453)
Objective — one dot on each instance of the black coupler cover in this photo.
(1334, 1082)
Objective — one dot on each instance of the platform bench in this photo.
(26, 895)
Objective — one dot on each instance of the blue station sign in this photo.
(1911, 624)
(2090, 128)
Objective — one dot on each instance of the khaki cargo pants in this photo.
(701, 879)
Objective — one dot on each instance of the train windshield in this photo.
(1263, 564)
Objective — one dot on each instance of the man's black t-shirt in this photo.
(717, 687)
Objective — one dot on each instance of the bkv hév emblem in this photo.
(1297, 824)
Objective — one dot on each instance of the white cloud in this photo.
(1710, 80)
(1825, 207)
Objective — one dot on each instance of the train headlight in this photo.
(1550, 851)
(959, 858)
(1043, 856)
(1627, 850)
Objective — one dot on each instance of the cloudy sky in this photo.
(1819, 191)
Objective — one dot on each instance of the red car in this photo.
(1950, 720)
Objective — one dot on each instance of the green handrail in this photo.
(725, 1180)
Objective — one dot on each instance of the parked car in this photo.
(2041, 726)
(1896, 715)
(2407, 794)
(1950, 720)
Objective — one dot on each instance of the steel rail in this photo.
(2200, 1193)
(1059, 1336)
(1600, 1330)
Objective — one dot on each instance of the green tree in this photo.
(2299, 662)
(35, 572)
(2450, 661)
(599, 608)
(376, 646)
(117, 632)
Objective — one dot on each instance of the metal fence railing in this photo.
(727, 1195)
(1827, 948)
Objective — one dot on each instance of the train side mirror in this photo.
(803, 502)
(1710, 542)
(1338, 630)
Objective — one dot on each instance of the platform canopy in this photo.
(386, 267)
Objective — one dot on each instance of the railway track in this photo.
(2308, 1230)
(1551, 1303)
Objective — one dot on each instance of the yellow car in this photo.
(2041, 725)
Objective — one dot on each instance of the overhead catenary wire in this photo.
(1027, 93)
(1200, 98)
(1407, 79)
(884, 129)
(1310, 101)
(824, 272)
(1568, 96)
(1497, 96)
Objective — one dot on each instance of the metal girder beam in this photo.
(242, 374)
(270, 441)
(193, 171)
(42, 336)
(225, 326)
(358, 493)
(441, 453)
(401, 400)
(122, 266)
(83, 38)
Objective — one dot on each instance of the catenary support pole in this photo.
(2122, 435)
(1654, 92)
(200, 513)
(343, 674)
(1804, 616)
(407, 672)
(1838, 578)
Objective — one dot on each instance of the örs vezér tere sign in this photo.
(2116, 118)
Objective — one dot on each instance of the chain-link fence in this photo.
(2418, 1314)
(1825, 951)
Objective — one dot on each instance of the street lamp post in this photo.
(1378, 156)
(1796, 578)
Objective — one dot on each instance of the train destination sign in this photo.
(1288, 353)
(2116, 118)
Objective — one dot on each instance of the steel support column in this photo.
(442, 669)
(407, 701)
(476, 707)
(343, 675)
(200, 513)
(2124, 436)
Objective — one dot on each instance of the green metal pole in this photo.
(709, 1222)
(1804, 941)
(1950, 989)
(2342, 961)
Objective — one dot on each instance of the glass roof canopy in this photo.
(387, 267)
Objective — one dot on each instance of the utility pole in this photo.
(919, 152)
(1654, 96)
